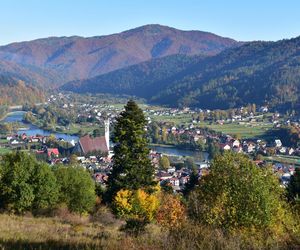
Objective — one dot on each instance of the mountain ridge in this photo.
(75, 57)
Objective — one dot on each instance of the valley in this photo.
(150, 138)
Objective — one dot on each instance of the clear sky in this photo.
(244, 20)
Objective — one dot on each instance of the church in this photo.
(88, 144)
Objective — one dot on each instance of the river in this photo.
(172, 151)
(34, 130)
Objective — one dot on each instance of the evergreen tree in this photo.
(132, 168)
(294, 187)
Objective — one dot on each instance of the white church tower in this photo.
(106, 126)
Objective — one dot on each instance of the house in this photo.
(277, 143)
(15, 142)
(282, 150)
(249, 147)
(285, 179)
(52, 152)
(263, 109)
(164, 176)
(235, 143)
(290, 151)
(171, 170)
(237, 149)
(203, 165)
(174, 181)
(23, 136)
(225, 146)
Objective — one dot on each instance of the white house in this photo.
(278, 143)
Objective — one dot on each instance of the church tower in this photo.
(106, 126)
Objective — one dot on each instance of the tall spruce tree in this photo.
(132, 168)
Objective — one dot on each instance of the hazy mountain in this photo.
(32, 75)
(62, 59)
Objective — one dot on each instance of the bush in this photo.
(77, 188)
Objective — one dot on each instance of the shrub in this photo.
(77, 189)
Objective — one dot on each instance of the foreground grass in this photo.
(74, 232)
(71, 232)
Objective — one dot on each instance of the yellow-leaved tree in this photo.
(137, 207)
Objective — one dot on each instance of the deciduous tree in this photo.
(77, 188)
(25, 183)
(237, 194)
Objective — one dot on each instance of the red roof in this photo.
(52, 151)
(89, 144)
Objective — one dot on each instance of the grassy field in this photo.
(3, 140)
(247, 130)
(294, 160)
(244, 130)
(177, 120)
(4, 151)
(75, 128)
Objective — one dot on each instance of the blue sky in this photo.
(22, 20)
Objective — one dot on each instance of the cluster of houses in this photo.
(85, 111)
(88, 148)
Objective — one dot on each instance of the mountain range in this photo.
(163, 65)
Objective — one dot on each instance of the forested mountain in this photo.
(15, 92)
(144, 80)
(62, 59)
(257, 72)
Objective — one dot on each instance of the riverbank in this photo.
(161, 145)
(17, 117)
(168, 150)
(4, 116)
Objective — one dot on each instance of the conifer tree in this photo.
(132, 168)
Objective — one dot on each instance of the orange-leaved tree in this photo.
(172, 212)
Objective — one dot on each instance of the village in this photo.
(175, 128)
